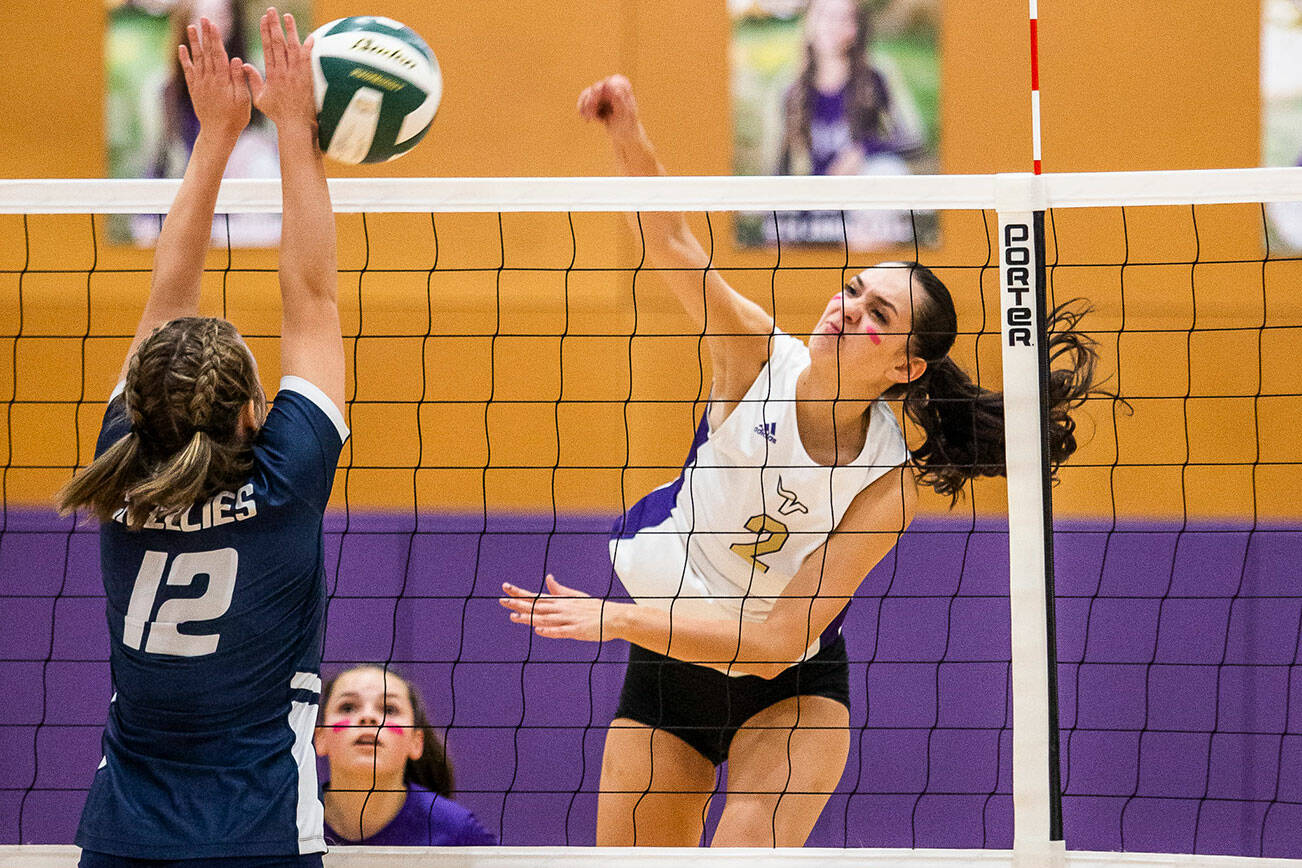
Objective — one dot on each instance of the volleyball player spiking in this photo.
(798, 483)
(211, 509)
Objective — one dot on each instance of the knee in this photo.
(750, 820)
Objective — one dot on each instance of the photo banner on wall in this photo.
(150, 126)
(1281, 111)
(836, 87)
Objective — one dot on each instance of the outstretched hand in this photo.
(217, 86)
(611, 101)
(285, 95)
(560, 612)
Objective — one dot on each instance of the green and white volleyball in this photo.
(377, 88)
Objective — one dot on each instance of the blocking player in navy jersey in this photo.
(798, 483)
(212, 509)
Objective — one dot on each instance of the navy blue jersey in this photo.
(215, 620)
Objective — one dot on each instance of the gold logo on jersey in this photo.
(768, 534)
(789, 502)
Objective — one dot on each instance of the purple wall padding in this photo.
(1179, 676)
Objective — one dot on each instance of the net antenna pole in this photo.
(1037, 790)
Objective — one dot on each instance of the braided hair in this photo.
(186, 388)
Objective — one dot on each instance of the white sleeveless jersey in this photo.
(725, 538)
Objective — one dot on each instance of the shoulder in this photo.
(773, 379)
(785, 345)
(298, 447)
(427, 803)
(450, 817)
(418, 796)
(888, 503)
(787, 353)
(115, 424)
(888, 433)
(303, 399)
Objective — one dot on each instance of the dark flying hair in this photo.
(963, 423)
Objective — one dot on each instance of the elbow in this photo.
(661, 230)
(318, 286)
(672, 244)
(774, 656)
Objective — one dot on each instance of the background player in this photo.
(391, 780)
(844, 116)
(798, 483)
(211, 547)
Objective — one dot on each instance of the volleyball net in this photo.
(519, 376)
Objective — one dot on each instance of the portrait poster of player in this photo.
(1281, 110)
(150, 126)
(836, 87)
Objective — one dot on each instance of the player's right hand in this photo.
(611, 101)
(216, 83)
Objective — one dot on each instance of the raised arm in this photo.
(310, 342)
(736, 328)
(221, 102)
(821, 588)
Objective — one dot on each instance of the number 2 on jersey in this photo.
(219, 565)
(776, 539)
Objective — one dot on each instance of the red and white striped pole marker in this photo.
(1035, 84)
(1037, 803)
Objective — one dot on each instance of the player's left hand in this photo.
(217, 86)
(560, 612)
(285, 94)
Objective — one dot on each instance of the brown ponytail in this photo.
(963, 423)
(187, 385)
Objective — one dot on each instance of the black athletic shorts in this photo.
(705, 708)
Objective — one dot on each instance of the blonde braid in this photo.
(210, 357)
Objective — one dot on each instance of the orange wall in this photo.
(1145, 85)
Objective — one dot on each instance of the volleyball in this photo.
(377, 88)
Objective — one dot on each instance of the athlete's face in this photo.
(831, 26)
(864, 329)
(368, 727)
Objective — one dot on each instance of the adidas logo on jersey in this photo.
(769, 431)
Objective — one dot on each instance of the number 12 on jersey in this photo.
(218, 565)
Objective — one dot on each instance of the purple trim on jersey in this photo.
(426, 819)
(829, 635)
(656, 506)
